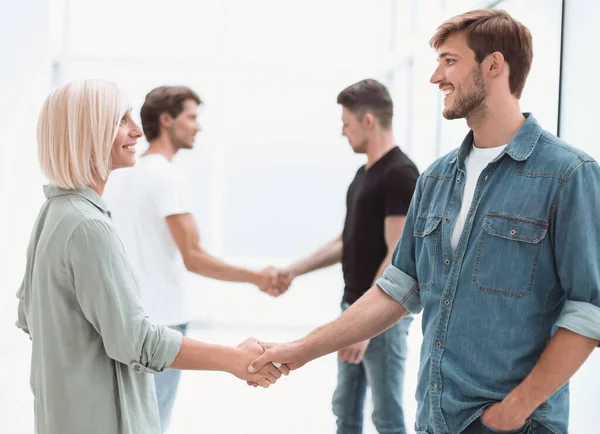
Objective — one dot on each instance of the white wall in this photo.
(25, 74)
(580, 111)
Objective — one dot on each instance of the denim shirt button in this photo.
(438, 344)
(458, 181)
(512, 232)
(447, 262)
(447, 302)
(446, 219)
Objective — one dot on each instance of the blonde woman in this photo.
(94, 348)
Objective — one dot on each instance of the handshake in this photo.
(258, 361)
(274, 281)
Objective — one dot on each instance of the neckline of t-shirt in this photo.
(486, 152)
(153, 156)
(382, 158)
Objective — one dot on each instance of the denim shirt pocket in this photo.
(427, 240)
(507, 255)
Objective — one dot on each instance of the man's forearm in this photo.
(565, 354)
(329, 254)
(372, 314)
(203, 263)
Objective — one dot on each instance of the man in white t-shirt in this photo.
(151, 209)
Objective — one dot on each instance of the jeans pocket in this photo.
(489, 430)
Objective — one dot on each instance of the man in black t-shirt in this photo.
(377, 202)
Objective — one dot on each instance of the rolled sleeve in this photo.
(109, 299)
(581, 318)
(399, 280)
(168, 345)
(402, 288)
(577, 249)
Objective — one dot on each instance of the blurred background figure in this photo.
(377, 203)
(151, 207)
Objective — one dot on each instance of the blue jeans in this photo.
(382, 369)
(166, 388)
(531, 427)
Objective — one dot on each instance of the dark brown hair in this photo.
(164, 99)
(368, 96)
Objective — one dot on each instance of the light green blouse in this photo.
(93, 347)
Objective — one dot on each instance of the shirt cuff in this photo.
(582, 318)
(402, 288)
(167, 349)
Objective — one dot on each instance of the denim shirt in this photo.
(528, 261)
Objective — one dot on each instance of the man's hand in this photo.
(285, 276)
(250, 349)
(268, 281)
(353, 353)
(289, 354)
(275, 281)
(501, 417)
(285, 370)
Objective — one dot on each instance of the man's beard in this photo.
(178, 143)
(469, 101)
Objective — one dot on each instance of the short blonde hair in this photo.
(76, 129)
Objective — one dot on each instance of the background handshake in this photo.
(274, 281)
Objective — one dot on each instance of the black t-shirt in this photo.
(385, 189)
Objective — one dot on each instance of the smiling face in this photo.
(460, 78)
(123, 150)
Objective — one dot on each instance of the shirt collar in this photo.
(519, 148)
(87, 193)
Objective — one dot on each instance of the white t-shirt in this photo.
(476, 161)
(139, 199)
